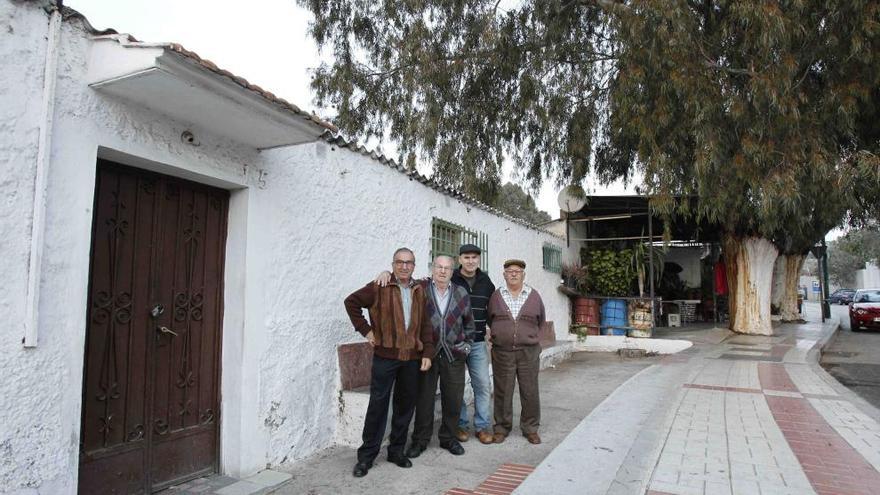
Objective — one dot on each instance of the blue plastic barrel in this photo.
(614, 317)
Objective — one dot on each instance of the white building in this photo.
(176, 247)
(868, 277)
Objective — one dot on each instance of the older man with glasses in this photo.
(402, 345)
(448, 312)
(515, 315)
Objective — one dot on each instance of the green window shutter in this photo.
(552, 258)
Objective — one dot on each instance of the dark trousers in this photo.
(451, 377)
(508, 367)
(388, 374)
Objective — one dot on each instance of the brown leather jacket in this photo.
(393, 341)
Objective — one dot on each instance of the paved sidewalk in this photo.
(733, 414)
(568, 393)
(747, 415)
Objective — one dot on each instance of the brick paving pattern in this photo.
(756, 419)
(502, 482)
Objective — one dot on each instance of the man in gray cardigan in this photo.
(515, 315)
(448, 313)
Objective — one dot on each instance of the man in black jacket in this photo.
(480, 287)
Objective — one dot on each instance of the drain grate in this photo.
(843, 354)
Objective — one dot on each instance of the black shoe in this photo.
(453, 447)
(361, 469)
(415, 450)
(400, 460)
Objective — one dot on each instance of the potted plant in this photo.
(611, 275)
(641, 259)
(575, 276)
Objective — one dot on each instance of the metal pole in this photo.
(826, 308)
(567, 235)
(651, 262)
(821, 261)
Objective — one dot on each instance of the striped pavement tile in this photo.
(503, 481)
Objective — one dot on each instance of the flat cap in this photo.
(469, 248)
(521, 263)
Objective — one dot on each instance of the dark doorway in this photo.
(151, 380)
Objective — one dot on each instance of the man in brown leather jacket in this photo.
(402, 345)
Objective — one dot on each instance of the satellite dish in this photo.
(571, 199)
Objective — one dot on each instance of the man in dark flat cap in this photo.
(515, 315)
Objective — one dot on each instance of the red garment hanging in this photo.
(720, 278)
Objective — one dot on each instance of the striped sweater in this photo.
(479, 296)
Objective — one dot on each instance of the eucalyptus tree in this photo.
(748, 106)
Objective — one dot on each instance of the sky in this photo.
(264, 41)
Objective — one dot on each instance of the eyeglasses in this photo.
(404, 262)
(513, 272)
(443, 268)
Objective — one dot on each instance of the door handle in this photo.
(164, 329)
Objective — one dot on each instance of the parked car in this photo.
(841, 296)
(864, 311)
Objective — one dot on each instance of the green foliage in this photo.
(850, 253)
(766, 112)
(610, 271)
(642, 255)
(752, 107)
(842, 266)
(517, 203)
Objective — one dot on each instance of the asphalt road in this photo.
(853, 358)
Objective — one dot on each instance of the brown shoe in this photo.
(485, 437)
(498, 438)
(462, 435)
(532, 437)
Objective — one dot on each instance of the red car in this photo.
(864, 311)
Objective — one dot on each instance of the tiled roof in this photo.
(128, 40)
(331, 135)
(342, 142)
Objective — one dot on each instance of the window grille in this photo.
(447, 237)
(552, 258)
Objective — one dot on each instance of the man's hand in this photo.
(371, 339)
(426, 364)
(382, 278)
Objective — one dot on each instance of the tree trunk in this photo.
(749, 276)
(791, 280)
(778, 287)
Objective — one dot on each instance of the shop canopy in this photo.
(626, 218)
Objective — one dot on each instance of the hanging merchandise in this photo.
(720, 278)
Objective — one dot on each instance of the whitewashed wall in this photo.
(320, 223)
(40, 388)
(343, 215)
(30, 382)
(868, 277)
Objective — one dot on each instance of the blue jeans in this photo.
(478, 367)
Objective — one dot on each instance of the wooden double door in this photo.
(151, 380)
